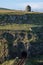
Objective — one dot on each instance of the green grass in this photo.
(10, 62)
(19, 27)
(18, 12)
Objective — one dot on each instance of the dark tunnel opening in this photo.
(23, 54)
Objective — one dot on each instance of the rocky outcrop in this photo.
(14, 43)
(36, 49)
(3, 50)
(21, 19)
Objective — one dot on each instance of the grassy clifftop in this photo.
(17, 12)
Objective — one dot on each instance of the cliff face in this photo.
(21, 19)
(13, 43)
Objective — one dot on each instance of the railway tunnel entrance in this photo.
(23, 54)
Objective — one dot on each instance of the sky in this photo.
(36, 5)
